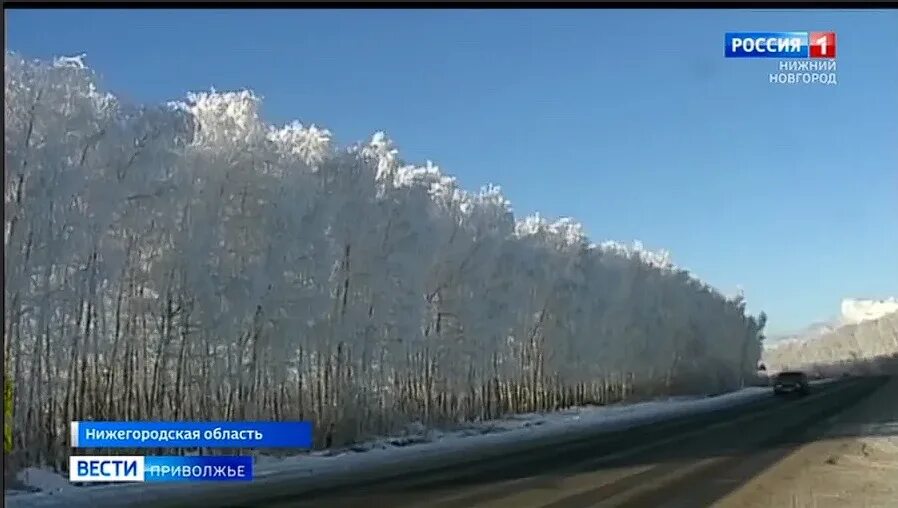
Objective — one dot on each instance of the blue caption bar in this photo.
(191, 434)
(198, 469)
(113, 469)
(766, 45)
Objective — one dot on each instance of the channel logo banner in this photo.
(191, 434)
(780, 45)
(159, 469)
(766, 45)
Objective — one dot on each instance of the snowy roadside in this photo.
(418, 444)
(853, 463)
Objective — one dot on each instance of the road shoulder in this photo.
(852, 463)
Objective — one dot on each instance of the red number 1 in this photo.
(823, 45)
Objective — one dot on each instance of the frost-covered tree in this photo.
(190, 261)
(847, 344)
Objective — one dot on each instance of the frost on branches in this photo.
(189, 261)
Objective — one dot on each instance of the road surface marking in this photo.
(657, 483)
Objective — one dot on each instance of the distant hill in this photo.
(853, 311)
(866, 339)
(810, 332)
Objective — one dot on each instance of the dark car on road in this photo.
(791, 382)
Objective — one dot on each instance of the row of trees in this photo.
(189, 261)
(851, 344)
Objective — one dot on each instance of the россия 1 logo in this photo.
(780, 45)
(818, 49)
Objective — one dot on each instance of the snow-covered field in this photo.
(418, 444)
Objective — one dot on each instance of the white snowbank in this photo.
(43, 479)
(417, 444)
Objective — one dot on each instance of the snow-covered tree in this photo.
(190, 261)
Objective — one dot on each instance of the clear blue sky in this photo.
(630, 121)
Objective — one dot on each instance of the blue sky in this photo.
(630, 121)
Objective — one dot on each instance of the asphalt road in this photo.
(685, 463)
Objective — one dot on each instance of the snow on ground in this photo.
(854, 464)
(43, 479)
(417, 443)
